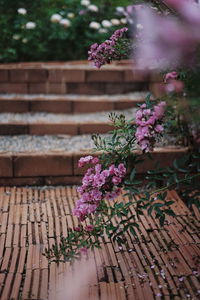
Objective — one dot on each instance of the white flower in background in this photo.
(56, 18)
(30, 25)
(22, 11)
(120, 9)
(65, 22)
(94, 25)
(71, 15)
(139, 26)
(85, 2)
(123, 21)
(24, 40)
(93, 8)
(16, 37)
(115, 22)
(106, 23)
(103, 30)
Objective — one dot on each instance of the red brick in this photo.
(156, 77)
(124, 62)
(55, 75)
(56, 88)
(86, 88)
(15, 106)
(92, 106)
(104, 76)
(22, 181)
(63, 180)
(113, 88)
(37, 75)
(40, 164)
(18, 75)
(129, 87)
(89, 128)
(124, 104)
(64, 128)
(136, 76)
(13, 129)
(37, 88)
(6, 166)
(60, 75)
(51, 106)
(4, 75)
(7, 88)
(157, 89)
(165, 156)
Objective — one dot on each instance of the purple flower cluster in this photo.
(149, 125)
(106, 52)
(98, 184)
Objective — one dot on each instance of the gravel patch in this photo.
(58, 143)
(30, 118)
(73, 97)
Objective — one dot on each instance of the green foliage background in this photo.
(50, 41)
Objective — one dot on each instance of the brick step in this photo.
(48, 123)
(68, 103)
(51, 168)
(72, 78)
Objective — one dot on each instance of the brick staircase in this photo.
(63, 99)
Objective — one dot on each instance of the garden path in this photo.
(159, 263)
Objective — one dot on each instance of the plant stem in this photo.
(174, 183)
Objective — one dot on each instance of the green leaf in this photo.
(133, 172)
(132, 230)
(170, 212)
(162, 220)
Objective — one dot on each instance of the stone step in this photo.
(49, 123)
(73, 78)
(68, 103)
(34, 160)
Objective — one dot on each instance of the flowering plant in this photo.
(114, 169)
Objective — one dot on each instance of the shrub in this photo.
(31, 32)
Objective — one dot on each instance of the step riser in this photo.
(70, 78)
(61, 106)
(42, 129)
(49, 168)
(100, 88)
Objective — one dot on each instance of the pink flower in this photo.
(159, 110)
(174, 86)
(159, 128)
(149, 125)
(89, 227)
(120, 170)
(77, 228)
(116, 180)
(84, 250)
(170, 75)
(113, 195)
(106, 52)
(85, 160)
(112, 170)
(95, 160)
(96, 185)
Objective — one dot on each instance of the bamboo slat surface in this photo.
(159, 263)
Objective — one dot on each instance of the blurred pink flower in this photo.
(170, 75)
(174, 86)
(188, 9)
(164, 42)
